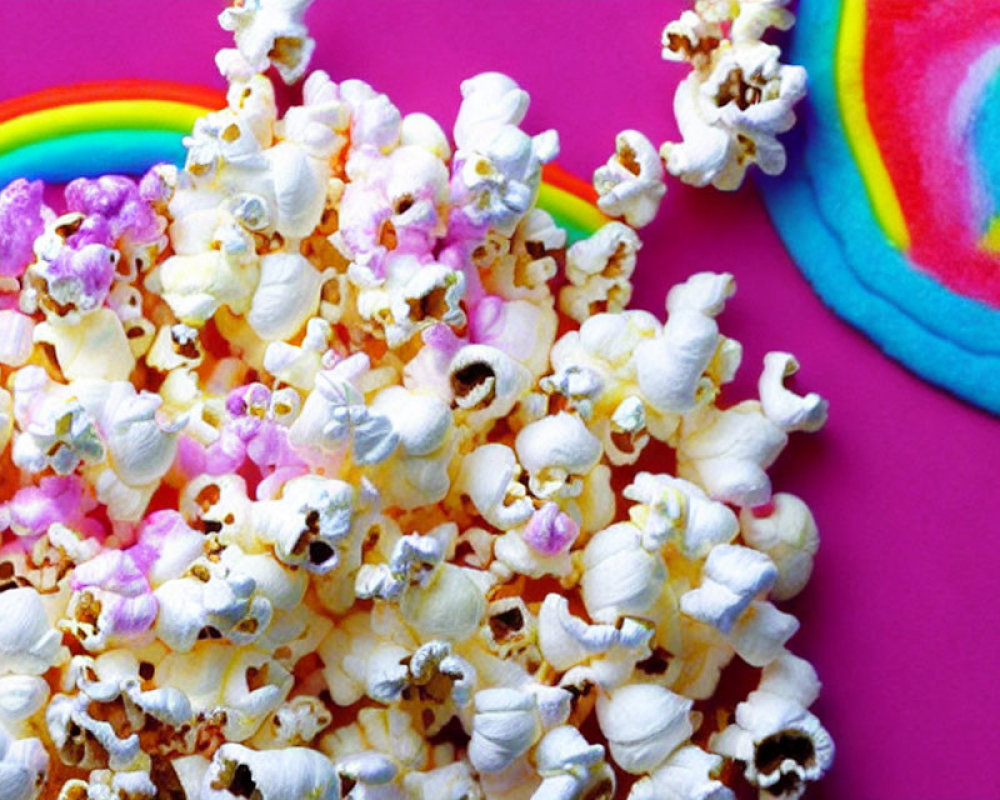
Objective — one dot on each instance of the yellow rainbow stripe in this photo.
(850, 87)
(50, 123)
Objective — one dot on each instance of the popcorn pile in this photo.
(318, 485)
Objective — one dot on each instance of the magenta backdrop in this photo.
(897, 617)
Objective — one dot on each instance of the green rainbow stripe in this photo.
(127, 126)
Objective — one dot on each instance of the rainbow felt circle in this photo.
(127, 126)
(891, 202)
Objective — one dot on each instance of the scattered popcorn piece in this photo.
(738, 96)
(631, 184)
(787, 533)
(271, 32)
(783, 745)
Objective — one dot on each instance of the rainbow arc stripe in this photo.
(127, 126)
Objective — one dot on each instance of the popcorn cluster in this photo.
(326, 474)
(738, 96)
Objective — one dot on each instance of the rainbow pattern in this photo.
(127, 126)
(891, 204)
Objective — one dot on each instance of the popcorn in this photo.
(287, 294)
(783, 745)
(599, 269)
(566, 642)
(620, 576)
(271, 33)
(644, 723)
(729, 118)
(28, 643)
(24, 766)
(571, 768)
(317, 445)
(737, 98)
(787, 533)
(689, 772)
(508, 723)
(238, 771)
(631, 184)
(556, 452)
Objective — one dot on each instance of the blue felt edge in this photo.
(88, 155)
(948, 339)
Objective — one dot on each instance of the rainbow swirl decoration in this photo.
(126, 126)
(891, 203)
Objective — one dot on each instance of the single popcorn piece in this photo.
(738, 96)
(631, 184)
(335, 469)
(271, 32)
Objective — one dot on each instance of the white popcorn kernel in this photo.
(490, 100)
(271, 33)
(298, 365)
(599, 269)
(450, 606)
(557, 451)
(756, 16)
(690, 772)
(729, 116)
(497, 174)
(24, 766)
(727, 452)
(783, 745)
(787, 533)
(16, 332)
(29, 645)
(308, 526)
(620, 577)
(195, 286)
(610, 652)
(296, 722)
(421, 421)
(675, 510)
(375, 121)
(56, 431)
(21, 697)
(286, 296)
(791, 677)
(505, 727)
(451, 782)
(412, 560)
(731, 578)
(572, 769)
(784, 408)
(334, 414)
(644, 723)
(175, 346)
(692, 37)
(218, 504)
(141, 445)
(423, 131)
(212, 600)
(670, 366)
(631, 184)
(298, 183)
(293, 772)
(86, 742)
(489, 477)
(95, 347)
(486, 383)
(759, 635)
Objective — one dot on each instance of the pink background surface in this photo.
(900, 616)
